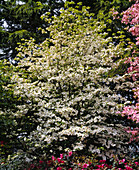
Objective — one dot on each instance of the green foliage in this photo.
(12, 125)
(102, 11)
(102, 7)
(5, 94)
(21, 19)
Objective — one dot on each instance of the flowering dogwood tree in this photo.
(65, 82)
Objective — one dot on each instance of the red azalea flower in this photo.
(70, 153)
(99, 166)
(40, 162)
(53, 158)
(89, 163)
(2, 143)
(85, 165)
(136, 163)
(128, 168)
(61, 156)
(59, 160)
(49, 162)
(102, 161)
(32, 165)
(108, 166)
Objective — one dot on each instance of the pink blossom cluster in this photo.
(134, 132)
(134, 67)
(115, 14)
(132, 112)
(131, 16)
(136, 94)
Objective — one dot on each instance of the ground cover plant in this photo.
(71, 93)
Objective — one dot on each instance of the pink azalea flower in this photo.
(32, 166)
(102, 161)
(59, 168)
(53, 158)
(70, 153)
(85, 165)
(122, 161)
(99, 166)
(40, 162)
(61, 156)
(59, 160)
(128, 168)
(136, 163)
(137, 43)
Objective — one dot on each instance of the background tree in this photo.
(102, 8)
(21, 19)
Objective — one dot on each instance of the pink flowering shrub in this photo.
(115, 14)
(131, 16)
(133, 111)
(134, 132)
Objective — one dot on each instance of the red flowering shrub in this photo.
(72, 162)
